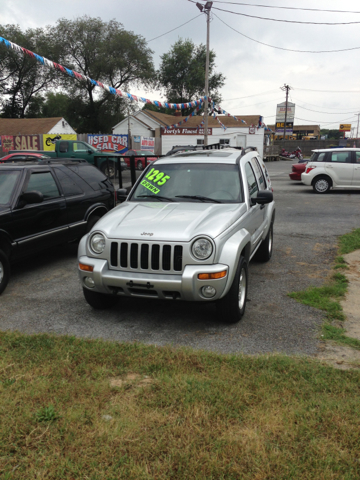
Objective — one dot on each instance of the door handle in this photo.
(329, 166)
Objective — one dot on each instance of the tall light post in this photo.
(206, 9)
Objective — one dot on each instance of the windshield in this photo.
(190, 182)
(7, 185)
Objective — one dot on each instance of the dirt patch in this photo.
(339, 356)
(133, 379)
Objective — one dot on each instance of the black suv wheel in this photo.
(4, 271)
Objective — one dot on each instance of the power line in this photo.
(312, 104)
(286, 8)
(323, 123)
(328, 91)
(285, 49)
(255, 95)
(283, 21)
(197, 16)
(326, 113)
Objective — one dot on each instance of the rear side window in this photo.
(357, 157)
(64, 147)
(340, 157)
(90, 174)
(68, 184)
(43, 182)
(259, 174)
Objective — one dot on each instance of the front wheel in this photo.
(321, 184)
(232, 307)
(4, 271)
(99, 301)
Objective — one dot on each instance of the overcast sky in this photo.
(321, 83)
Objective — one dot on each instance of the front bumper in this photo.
(185, 286)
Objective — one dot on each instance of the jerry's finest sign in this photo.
(186, 131)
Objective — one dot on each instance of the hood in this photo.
(178, 222)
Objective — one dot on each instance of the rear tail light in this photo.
(308, 169)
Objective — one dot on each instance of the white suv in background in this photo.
(337, 168)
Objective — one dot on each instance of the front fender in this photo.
(99, 208)
(230, 252)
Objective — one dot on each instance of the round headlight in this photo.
(202, 248)
(97, 243)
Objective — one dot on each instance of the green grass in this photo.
(328, 297)
(89, 409)
(349, 242)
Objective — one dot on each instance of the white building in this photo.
(147, 123)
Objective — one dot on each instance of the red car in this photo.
(22, 157)
(139, 158)
(297, 170)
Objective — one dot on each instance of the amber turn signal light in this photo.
(212, 276)
(86, 268)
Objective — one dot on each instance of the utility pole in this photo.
(357, 130)
(206, 8)
(129, 131)
(285, 88)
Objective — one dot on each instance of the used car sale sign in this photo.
(109, 143)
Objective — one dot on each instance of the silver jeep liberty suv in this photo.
(186, 231)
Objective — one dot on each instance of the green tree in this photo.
(103, 51)
(182, 73)
(22, 77)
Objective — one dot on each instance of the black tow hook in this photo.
(141, 285)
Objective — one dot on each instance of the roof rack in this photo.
(217, 146)
(248, 149)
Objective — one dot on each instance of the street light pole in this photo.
(286, 88)
(206, 8)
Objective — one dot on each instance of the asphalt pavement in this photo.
(44, 293)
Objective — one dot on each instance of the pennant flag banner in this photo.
(44, 61)
(175, 106)
(183, 121)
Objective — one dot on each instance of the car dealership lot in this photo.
(44, 294)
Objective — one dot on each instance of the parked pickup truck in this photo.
(187, 231)
(78, 149)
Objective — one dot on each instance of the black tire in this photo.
(321, 184)
(109, 170)
(91, 222)
(139, 165)
(265, 250)
(4, 271)
(231, 308)
(99, 301)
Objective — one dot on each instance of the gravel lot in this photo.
(44, 294)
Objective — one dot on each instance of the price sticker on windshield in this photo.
(157, 177)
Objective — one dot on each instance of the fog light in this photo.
(208, 291)
(89, 282)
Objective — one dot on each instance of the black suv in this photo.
(46, 203)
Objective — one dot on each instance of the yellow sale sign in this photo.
(345, 127)
(49, 140)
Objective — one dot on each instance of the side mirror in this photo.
(121, 195)
(263, 197)
(90, 152)
(32, 197)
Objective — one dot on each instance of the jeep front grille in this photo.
(146, 256)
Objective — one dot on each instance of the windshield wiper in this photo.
(157, 196)
(198, 197)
